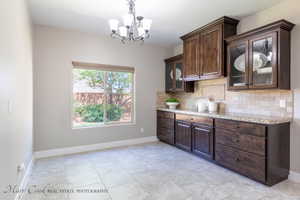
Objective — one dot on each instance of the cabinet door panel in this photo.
(263, 61)
(179, 84)
(183, 135)
(237, 66)
(191, 66)
(211, 59)
(170, 77)
(202, 141)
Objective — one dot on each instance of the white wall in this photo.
(54, 51)
(289, 10)
(15, 87)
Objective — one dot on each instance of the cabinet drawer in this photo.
(248, 164)
(195, 119)
(166, 135)
(164, 114)
(248, 143)
(241, 127)
(165, 123)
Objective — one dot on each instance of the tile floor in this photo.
(153, 171)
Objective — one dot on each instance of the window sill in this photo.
(105, 125)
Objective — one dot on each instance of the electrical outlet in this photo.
(282, 103)
(142, 130)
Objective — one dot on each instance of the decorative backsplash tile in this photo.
(262, 102)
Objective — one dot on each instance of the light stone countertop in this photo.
(259, 119)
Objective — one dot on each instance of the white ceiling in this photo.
(171, 18)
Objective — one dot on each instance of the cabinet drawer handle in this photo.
(201, 129)
(184, 125)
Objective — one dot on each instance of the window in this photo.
(102, 95)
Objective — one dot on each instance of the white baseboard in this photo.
(93, 147)
(294, 176)
(25, 179)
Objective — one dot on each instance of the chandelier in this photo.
(135, 28)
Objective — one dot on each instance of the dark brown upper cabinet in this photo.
(174, 76)
(260, 59)
(204, 50)
(191, 61)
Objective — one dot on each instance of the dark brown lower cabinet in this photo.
(260, 152)
(250, 165)
(203, 141)
(165, 127)
(183, 137)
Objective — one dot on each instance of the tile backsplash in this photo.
(261, 102)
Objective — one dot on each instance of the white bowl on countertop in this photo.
(172, 105)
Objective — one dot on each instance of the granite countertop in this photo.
(234, 116)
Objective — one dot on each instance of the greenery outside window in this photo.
(102, 95)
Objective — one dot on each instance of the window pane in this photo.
(89, 97)
(101, 97)
(119, 82)
(120, 108)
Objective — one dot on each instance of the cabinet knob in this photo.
(237, 160)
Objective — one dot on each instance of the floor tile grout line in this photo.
(99, 176)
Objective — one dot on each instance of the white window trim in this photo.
(101, 67)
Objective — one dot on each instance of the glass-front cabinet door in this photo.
(262, 61)
(170, 74)
(179, 84)
(238, 65)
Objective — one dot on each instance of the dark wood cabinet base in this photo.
(260, 152)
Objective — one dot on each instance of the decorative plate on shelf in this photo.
(259, 61)
(178, 74)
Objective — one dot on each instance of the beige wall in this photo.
(54, 51)
(289, 10)
(16, 88)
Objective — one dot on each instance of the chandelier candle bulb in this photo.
(123, 31)
(114, 24)
(147, 24)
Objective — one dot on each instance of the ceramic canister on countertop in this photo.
(202, 106)
(213, 106)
